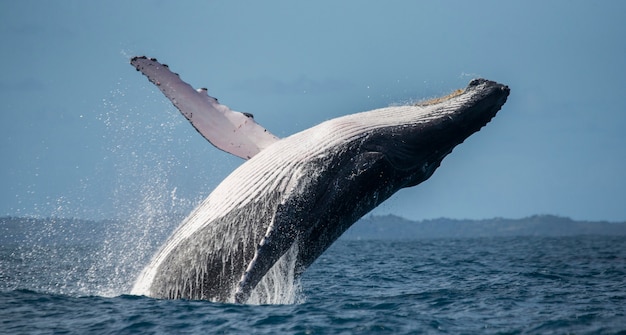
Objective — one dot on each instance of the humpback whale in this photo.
(293, 197)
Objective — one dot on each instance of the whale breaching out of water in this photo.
(293, 197)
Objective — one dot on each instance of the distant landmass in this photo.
(374, 227)
(395, 227)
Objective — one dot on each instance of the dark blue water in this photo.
(448, 286)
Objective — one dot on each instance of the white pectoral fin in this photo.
(273, 245)
(231, 131)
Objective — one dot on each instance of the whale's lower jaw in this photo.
(302, 192)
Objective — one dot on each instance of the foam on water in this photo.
(280, 285)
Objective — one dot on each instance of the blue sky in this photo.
(84, 135)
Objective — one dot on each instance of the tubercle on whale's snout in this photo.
(490, 93)
(489, 88)
(479, 81)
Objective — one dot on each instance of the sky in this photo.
(84, 135)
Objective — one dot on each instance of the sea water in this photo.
(441, 286)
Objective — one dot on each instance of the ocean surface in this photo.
(505, 285)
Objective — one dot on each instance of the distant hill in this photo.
(395, 227)
(75, 231)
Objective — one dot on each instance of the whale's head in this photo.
(420, 136)
(381, 151)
